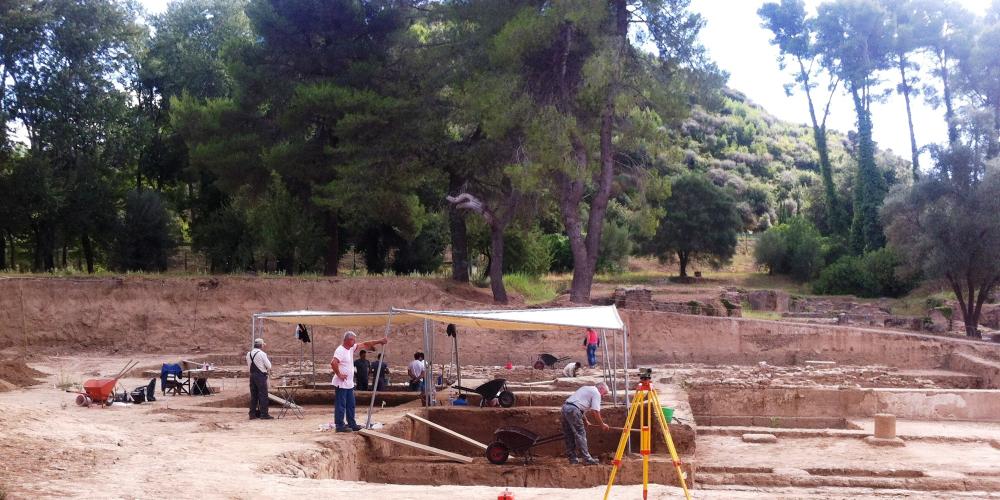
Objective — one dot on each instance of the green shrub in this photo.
(526, 252)
(616, 246)
(562, 254)
(874, 274)
(795, 248)
(843, 277)
(530, 287)
(425, 253)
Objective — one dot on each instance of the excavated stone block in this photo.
(759, 438)
(885, 426)
(874, 441)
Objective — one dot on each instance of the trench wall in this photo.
(920, 404)
(212, 315)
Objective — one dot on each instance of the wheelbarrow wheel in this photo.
(539, 365)
(506, 399)
(82, 400)
(497, 453)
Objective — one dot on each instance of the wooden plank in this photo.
(422, 447)
(282, 402)
(448, 431)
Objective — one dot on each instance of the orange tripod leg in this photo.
(626, 433)
(665, 429)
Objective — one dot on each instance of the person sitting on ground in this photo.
(586, 401)
(362, 369)
(416, 372)
(259, 366)
(343, 380)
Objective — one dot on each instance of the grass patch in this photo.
(918, 302)
(631, 277)
(532, 288)
(768, 315)
(64, 383)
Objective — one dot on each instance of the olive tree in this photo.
(946, 225)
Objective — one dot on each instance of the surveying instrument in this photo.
(647, 405)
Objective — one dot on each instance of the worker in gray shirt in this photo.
(259, 367)
(585, 402)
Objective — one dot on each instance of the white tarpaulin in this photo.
(565, 318)
(337, 319)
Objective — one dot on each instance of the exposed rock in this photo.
(768, 300)
(874, 441)
(759, 438)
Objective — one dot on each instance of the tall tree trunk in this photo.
(866, 231)
(682, 257)
(459, 233)
(570, 194)
(496, 265)
(88, 252)
(583, 270)
(949, 109)
(905, 86)
(3, 251)
(971, 300)
(332, 258)
(834, 219)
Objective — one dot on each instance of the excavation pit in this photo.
(393, 463)
(318, 398)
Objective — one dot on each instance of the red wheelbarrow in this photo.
(101, 390)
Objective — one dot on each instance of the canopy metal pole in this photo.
(614, 353)
(378, 372)
(427, 348)
(628, 404)
(609, 377)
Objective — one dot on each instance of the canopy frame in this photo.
(502, 319)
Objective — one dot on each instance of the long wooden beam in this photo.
(412, 444)
(448, 431)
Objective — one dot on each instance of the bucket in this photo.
(668, 414)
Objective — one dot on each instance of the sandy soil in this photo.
(51, 448)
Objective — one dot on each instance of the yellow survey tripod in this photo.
(647, 405)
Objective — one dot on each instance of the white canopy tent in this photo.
(601, 318)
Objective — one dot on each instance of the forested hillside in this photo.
(524, 136)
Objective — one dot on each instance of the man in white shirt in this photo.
(416, 372)
(343, 380)
(586, 401)
(259, 367)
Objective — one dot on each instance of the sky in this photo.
(736, 41)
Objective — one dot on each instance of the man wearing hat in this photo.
(259, 366)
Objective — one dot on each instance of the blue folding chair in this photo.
(172, 379)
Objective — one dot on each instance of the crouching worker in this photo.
(584, 403)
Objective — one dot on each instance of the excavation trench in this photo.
(380, 461)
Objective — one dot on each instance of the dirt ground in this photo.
(50, 448)
(78, 329)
